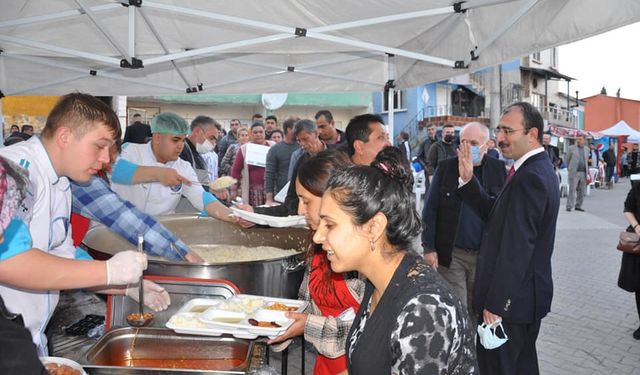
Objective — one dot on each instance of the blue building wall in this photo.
(414, 103)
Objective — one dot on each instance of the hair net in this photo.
(169, 123)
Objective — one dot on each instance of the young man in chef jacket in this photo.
(168, 134)
(74, 145)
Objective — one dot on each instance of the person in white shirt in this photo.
(168, 133)
(74, 145)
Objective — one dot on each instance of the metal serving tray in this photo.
(181, 290)
(161, 351)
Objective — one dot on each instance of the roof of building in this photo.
(549, 73)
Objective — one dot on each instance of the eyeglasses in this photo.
(506, 131)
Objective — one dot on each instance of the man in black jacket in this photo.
(609, 158)
(442, 149)
(452, 230)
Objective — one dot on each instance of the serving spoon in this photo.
(140, 319)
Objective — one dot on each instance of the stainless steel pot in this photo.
(276, 277)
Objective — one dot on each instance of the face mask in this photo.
(488, 336)
(205, 147)
(476, 155)
(448, 138)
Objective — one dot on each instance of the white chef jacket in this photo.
(46, 211)
(155, 198)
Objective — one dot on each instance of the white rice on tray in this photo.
(186, 321)
(236, 253)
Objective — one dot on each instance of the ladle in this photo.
(140, 319)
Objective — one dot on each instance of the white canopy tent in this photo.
(52, 47)
(621, 129)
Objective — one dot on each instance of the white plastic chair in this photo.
(563, 175)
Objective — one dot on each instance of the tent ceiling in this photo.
(57, 46)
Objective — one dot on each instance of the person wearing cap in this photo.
(74, 145)
(167, 141)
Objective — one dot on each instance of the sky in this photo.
(611, 59)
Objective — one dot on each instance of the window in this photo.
(554, 57)
(536, 56)
(398, 100)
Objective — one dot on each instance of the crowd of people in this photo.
(472, 303)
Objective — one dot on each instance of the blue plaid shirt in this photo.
(98, 202)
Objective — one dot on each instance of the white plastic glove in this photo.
(155, 296)
(125, 267)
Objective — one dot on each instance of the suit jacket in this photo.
(554, 154)
(405, 147)
(573, 157)
(513, 276)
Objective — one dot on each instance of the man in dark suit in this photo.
(554, 153)
(403, 144)
(137, 132)
(513, 277)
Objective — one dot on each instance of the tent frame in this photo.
(128, 56)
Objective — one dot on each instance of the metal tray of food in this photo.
(181, 290)
(161, 351)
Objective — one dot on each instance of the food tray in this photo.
(221, 318)
(272, 221)
(63, 361)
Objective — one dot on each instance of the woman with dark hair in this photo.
(250, 177)
(333, 297)
(629, 277)
(409, 321)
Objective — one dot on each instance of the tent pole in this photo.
(155, 33)
(2, 122)
(132, 31)
(61, 50)
(215, 49)
(56, 16)
(96, 22)
(99, 73)
(390, 86)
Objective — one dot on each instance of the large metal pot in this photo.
(276, 277)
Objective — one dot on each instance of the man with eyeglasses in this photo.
(577, 160)
(513, 285)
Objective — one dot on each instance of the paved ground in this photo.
(589, 328)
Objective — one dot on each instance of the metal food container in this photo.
(180, 291)
(161, 351)
(279, 277)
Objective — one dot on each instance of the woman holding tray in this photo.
(333, 297)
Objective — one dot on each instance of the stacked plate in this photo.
(272, 221)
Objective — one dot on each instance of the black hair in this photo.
(203, 122)
(289, 123)
(448, 126)
(314, 172)
(26, 127)
(385, 186)
(531, 117)
(276, 131)
(358, 129)
(271, 117)
(323, 112)
(256, 124)
(304, 125)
